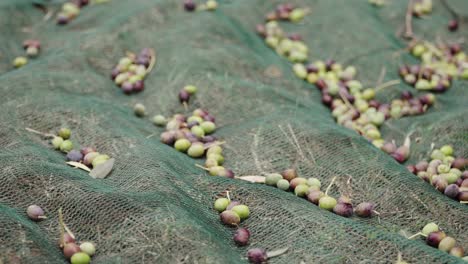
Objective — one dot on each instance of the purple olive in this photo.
(139, 86)
(343, 209)
(321, 84)
(460, 163)
(452, 191)
(257, 255)
(35, 213)
(143, 60)
(434, 238)
(406, 95)
(208, 139)
(389, 147)
(168, 138)
(453, 25)
(74, 155)
(422, 165)
(184, 96)
(229, 174)
(364, 209)
(127, 87)
(189, 5)
(440, 183)
(210, 118)
(232, 204)
(314, 196)
(230, 217)
(261, 30)
(241, 237)
(412, 169)
(114, 73)
(86, 150)
(463, 196)
(69, 249)
(62, 19)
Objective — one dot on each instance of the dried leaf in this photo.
(101, 171)
(275, 253)
(253, 178)
(78, 165)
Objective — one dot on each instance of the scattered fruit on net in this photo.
(289, 46)
(75, 252)
(88, 156)
(191, 5)
(287, 12)
(377, 2)
(131, 71)
(439, 239)
(421, 7)
(32, 47)
(193, 135)
(353, 106)
(446, 173)
(439, 66)
(309, 189)
(70, 10)
(232, 213)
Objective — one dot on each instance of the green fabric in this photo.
(156, 206)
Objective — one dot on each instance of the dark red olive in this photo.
(184, 96)
(453, 25)
(189, 5)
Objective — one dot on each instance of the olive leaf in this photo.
(101, 171)
(78, 165)
(278, 252)
(252, 178)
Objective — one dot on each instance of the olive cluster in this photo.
(232, 213)
(32, 48)
(87, 155)
(70, 10)
(421, 7)
(309, 188)
(439, 66)
(353, 106)
(191, 5)
(445, 172)
(438, 239)
(130, 72)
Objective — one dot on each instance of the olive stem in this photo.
(375, 212)
(201, 167)
(276, 253)
(416, 235)
(409, 20)
(346, 101)
(387, 84)
(42, 217)
(330, 185)
(152, 61)
(47, 135)
(185, 106)
(217, 143)
(228, 197)
(63, 228)
(464, 202)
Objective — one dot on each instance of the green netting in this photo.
(156, 206)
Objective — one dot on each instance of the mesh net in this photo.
(156, 206)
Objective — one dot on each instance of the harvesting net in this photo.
(156, 206)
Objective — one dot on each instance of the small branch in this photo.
(152, 62)
(201, 167)
(212, 144)
(409, 21)
(330, 185)
(416, 235)
(387, 84)
(47, 135)
(381, 76)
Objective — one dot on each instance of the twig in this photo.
(201, 167)
(416, 235)
(47, 135)
(152, 61)
(330, 185)
(227, 195)
(387, 84)
(409, 20)
(381, 76)
(212, 144)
